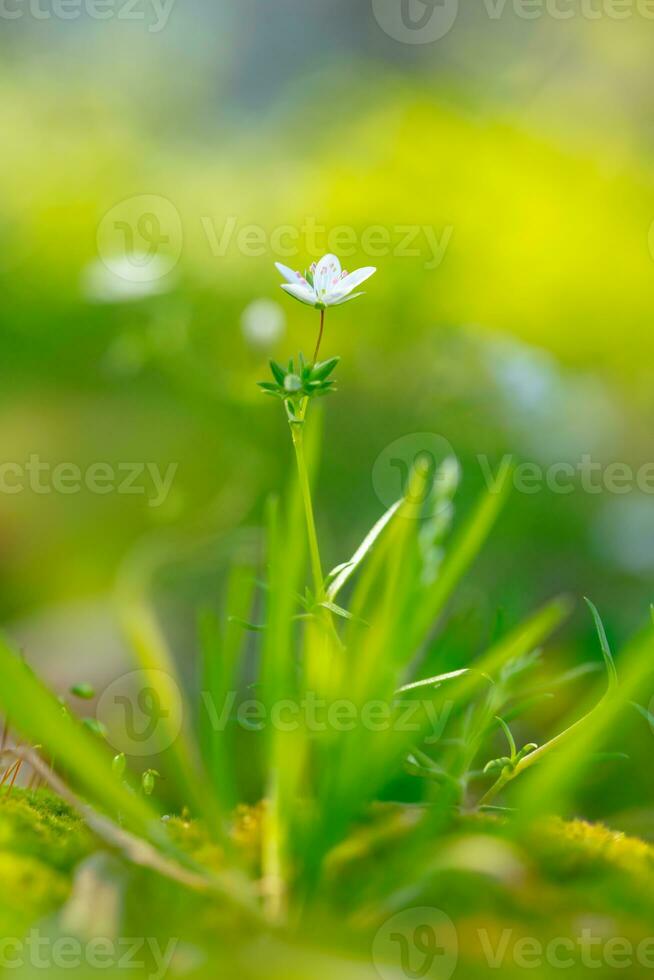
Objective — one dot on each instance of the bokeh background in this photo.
(157, 159)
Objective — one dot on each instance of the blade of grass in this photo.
(338, 576)
(353, 761)
(562, 758)
(287, 750)
(461, 554)
(148, 643)
(221, 646)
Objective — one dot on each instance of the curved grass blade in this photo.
(439, 679)
(339, 575)
(150, 646)
(579, 737)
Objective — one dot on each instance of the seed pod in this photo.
(84, 691)
(95, 726)
(148, 781)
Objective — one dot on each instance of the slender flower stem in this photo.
(297, 432)
(322, 327)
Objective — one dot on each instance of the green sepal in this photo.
(323, 369)
(278, 372)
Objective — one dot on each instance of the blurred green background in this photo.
(157, 161)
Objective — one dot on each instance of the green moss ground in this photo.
(41, 841)
(560, 879)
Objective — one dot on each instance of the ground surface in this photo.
(570, 898)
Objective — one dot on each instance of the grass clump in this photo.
(386, 776)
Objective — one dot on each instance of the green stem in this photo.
(505, 777)
(297, 432)
(322, 327)
(529, 760)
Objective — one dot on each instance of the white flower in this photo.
(325, 284)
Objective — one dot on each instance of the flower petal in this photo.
(327, 274)
(339, 300)
(298, 291)
(354, 279)
(288, 274)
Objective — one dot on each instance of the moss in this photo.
(41, 840)
(551, 881)
(39, 824)
(575, 848)
(192, 837)
(246, 829)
